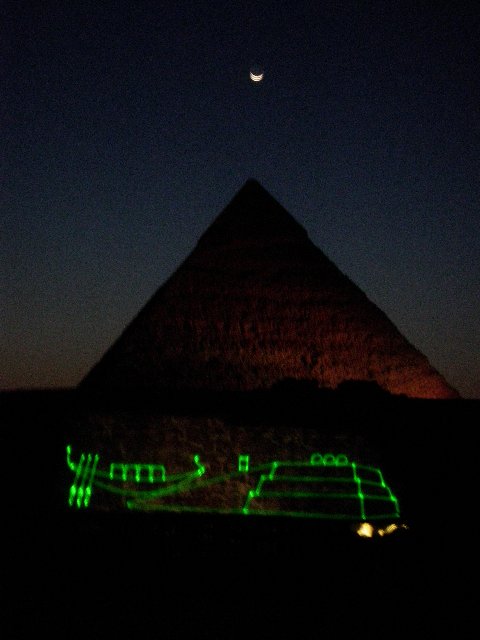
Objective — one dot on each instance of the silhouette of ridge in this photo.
(255, 303)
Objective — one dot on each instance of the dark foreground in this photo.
(177, 575)
(223, 576)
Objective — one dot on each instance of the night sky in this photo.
(128, 126)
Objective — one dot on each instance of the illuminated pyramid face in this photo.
(256, 302)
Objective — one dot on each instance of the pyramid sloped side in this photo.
(246, 310)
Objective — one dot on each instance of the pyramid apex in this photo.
(253, 182)
(253, 214)
(250, 188)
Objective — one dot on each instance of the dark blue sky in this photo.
(128, 126)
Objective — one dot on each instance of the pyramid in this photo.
(255, 303)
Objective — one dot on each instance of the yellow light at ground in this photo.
(365, 530)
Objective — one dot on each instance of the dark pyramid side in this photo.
(256, 302)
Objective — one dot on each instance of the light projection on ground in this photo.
(367, 530)
(327, 486)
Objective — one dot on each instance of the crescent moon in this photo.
(256, 77)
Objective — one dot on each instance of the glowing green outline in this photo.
(180, 479)
(81, 489)
(328, 460)
(87, 474)
(243, 463)
(125, 472)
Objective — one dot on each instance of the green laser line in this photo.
(88, 490)
(188, 482)
(81, 490)
(280, 513)
(73, 488)
(360, 493)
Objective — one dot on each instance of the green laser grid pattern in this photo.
(326, 486)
